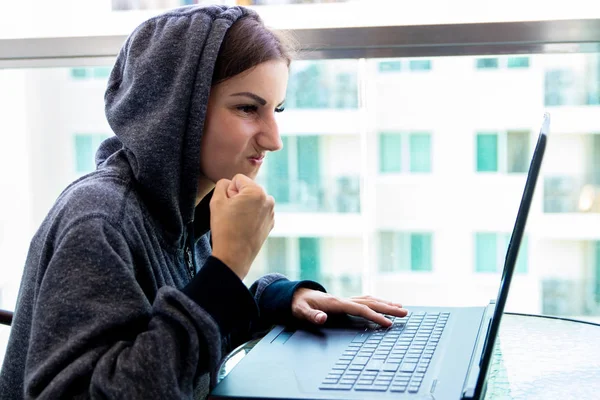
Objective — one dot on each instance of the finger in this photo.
(221, 189)
(391, 303)
(384, 308)
(232, 190)
(313, 315)
(241, 181)
(318, 317)
(365, 311)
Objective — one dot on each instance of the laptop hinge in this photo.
(470, 385)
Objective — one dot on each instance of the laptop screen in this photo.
(513, 247)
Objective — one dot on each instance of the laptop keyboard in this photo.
(389, 359)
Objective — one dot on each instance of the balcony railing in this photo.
(571, 194)
(340, 194)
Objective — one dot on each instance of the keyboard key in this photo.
(390, 367)
(361, 337)
(374, 365)
(366, 380)
(408, 367)
(360, 360)
(370, 388)
(413, 389)
(369, 373)
(335, 387)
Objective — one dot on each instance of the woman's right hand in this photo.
(241, 217)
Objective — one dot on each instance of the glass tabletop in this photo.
(536, 357)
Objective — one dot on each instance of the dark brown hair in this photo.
(249, 43)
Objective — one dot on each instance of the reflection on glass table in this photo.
(536, 357)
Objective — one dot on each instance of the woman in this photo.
(133, 283)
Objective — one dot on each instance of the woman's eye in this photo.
(280, 109)
(247, 109)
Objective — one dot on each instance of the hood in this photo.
(156, 101)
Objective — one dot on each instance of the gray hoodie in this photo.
(120, 297)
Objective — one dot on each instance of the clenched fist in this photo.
(242, 215)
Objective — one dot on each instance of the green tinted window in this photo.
(389, 152)
(487, 152)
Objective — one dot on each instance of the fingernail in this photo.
(320, 318)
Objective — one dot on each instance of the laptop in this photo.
(433, 353)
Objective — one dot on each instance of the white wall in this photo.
(16, 192)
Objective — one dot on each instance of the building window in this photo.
(294, 173)
(277, 255)
(518, 62)
(90, 72)
(404, 152)
(596, 275)
(502, 152)
(487, 63)
(79, 73)
(310, 258)
(517, 151)
(487, 152)
(561, 194)
(405, 251)
(490, 252)
(390, 66)
(420, 65)
(86, 146)
(560, 88)
(323, 85)
(420, 152)
(390, 151)
(410, 65)
(101, 72)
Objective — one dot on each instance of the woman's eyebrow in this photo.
(253, 96)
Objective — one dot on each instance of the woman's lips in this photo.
(257, 160)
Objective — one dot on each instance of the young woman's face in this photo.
(240, 126)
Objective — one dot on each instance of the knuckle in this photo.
(261, 194)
